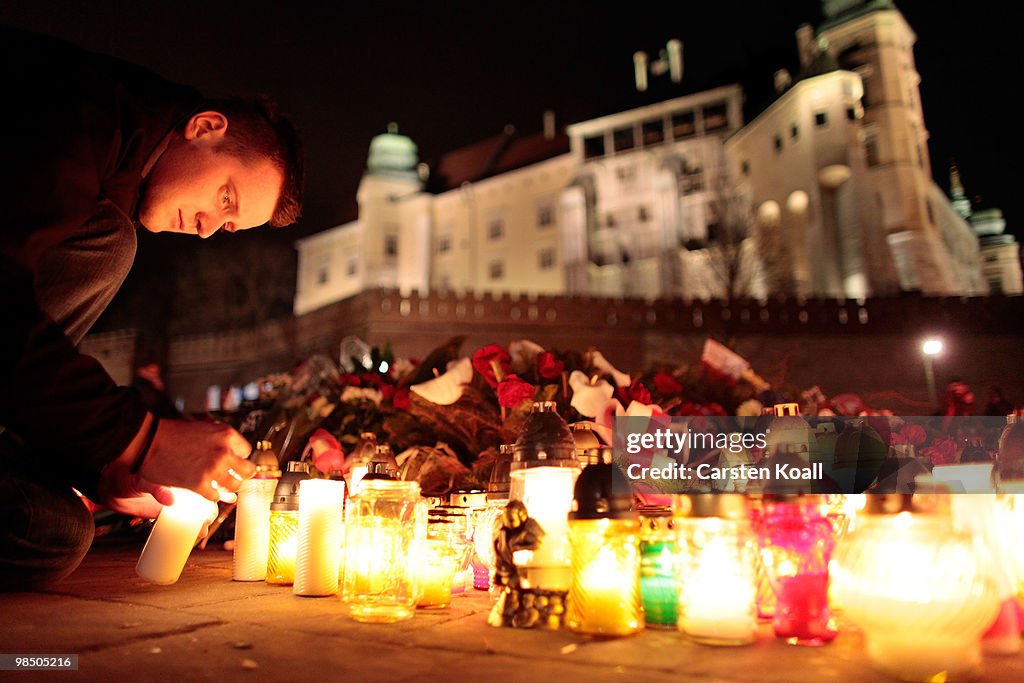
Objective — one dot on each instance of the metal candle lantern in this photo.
(915, 628)
(382, 523)
(796, 543)
(604, 597)
(717, 558)
(284, 526)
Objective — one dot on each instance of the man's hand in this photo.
(206, 457)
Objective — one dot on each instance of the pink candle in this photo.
(801, 611)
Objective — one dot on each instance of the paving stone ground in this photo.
(210, 628)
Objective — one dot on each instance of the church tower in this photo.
(959, 201)
(394, 214)
(873, 39)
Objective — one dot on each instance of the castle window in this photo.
(642, 214)
(352, 267)
(794, 131)
(593, 147)
(851, 113)
(778, 144)
(821, 119)
(653, 133)
(745, 168)
(391, 245)
(545, 216)
(715, 117)
(496, 270)
(546, 259)
(496, 229)
(444, 244)
(623, 139)
(683, 125)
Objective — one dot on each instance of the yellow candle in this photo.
(604, 598)
(284, 526)
(320, 520)
(434, 570)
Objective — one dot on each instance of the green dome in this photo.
(988, 222)
(393, 154)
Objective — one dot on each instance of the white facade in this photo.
(826, 193)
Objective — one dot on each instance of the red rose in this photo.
(401, 399)
(913, 434)
(549, 367)
(666, 385)
(942, 452)
(350, 379)
(634, 392)
(512, 391)
(482, 362)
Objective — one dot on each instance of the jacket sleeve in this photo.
(61, 403)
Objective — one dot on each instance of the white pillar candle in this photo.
(320, 523)
(252, 529)
(171, 540)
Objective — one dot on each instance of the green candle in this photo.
(659, 585)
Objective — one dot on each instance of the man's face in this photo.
(196, 190)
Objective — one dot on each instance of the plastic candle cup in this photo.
(717, 603)
(914, 629)
(175, 532)
(320, 524)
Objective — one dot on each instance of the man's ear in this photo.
(208, 126)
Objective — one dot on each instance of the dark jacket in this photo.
(75, 129)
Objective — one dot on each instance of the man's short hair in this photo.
(256, 130)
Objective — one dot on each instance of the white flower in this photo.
(589, 399)
(601, 364)
(446, 389)
(361, 393)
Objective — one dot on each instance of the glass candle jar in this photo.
(796, 543)
(604, 595)
(382, 522)
(717, 555)
(543, 472)
(659, 572)
(284, 526)
(917, 589)
(435, 569)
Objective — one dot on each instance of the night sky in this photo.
(453, 73)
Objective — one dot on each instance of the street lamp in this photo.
(931, 348)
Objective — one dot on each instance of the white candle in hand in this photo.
(171, 540)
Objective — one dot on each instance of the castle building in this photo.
(825, 193)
